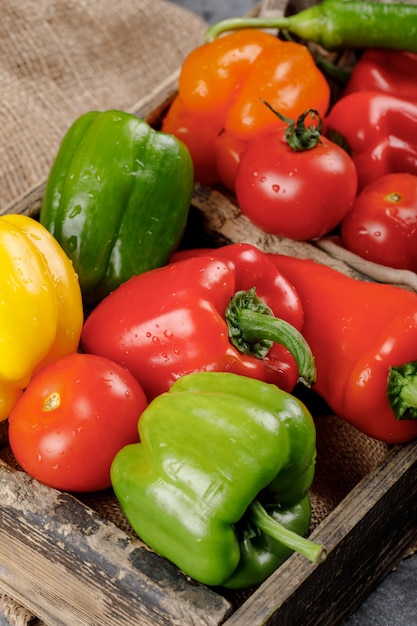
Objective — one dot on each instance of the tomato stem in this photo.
(298, 136)
(253, 329)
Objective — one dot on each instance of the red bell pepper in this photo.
(387, 71)
(364, 340)
(199, 314)
(378, 130)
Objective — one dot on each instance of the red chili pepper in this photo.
(387, 71)
(221, 85)
(364, 340)
(380, 133)
(201, 313)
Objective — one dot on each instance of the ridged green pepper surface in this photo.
(117, 198)
(219, 481)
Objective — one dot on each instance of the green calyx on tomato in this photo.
(298, 135)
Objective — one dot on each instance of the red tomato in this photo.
(297, 194)
(72, 419)
(382, 225)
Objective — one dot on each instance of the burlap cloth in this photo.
(59, 59)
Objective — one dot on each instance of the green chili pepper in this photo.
(219, 481)
(341, 24)
(117, 198)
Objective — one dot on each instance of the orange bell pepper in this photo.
(221, 87)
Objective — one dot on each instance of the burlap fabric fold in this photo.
(60, 58)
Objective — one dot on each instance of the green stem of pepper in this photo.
(340, 24)
(312, 551)
(253, 329)
(402, 390)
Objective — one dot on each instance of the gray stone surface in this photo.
(216, 10)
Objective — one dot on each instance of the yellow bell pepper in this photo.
(41, 312)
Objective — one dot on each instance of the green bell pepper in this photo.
(219, 481)
(117, 198)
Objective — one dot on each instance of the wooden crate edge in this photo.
(366, 535)
(67, 564)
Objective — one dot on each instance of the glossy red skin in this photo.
(382, 225)
(297, 194)
(356, 331)
(72, 446)
(387, 71)
(380, 131)
(170, 321)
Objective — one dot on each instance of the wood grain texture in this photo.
(70, 566)
(364, 536)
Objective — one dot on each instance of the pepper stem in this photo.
(236, 23)
(338, 24)
(253, 329)
(314, 552)
(402, 390)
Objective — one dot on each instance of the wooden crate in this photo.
(68, 562)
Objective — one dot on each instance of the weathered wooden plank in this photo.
(223, 221)
(70, 566)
